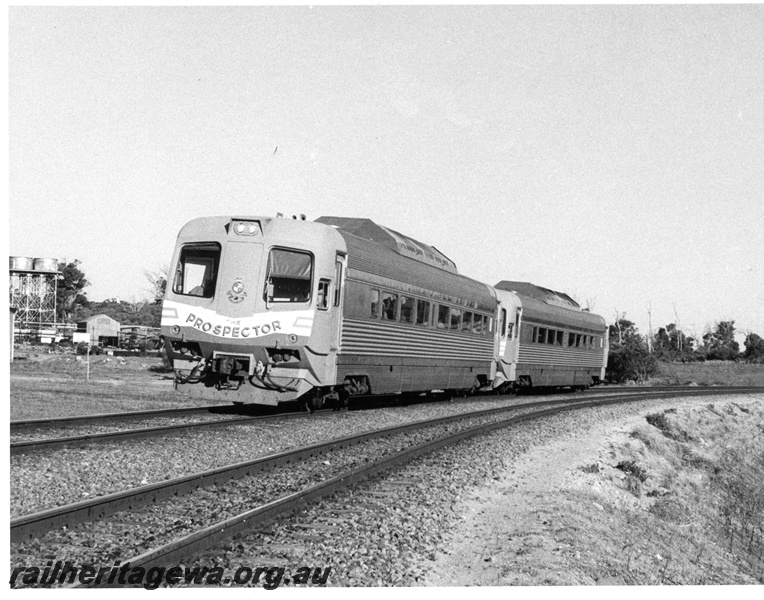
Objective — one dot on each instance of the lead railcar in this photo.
(270, 310)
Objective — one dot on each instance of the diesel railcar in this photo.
(547, 340)
(269, 310)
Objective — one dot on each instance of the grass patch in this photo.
(699, 516)
(57, 386)
(710, 373)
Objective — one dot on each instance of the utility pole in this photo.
(678, 330)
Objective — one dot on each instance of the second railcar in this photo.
(555, 343)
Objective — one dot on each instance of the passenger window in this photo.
(467, 322)
(542, 335)
(288, 276)
(197, 270)
(559, 338)
(550, 337)
(477, 324)
(442, 317)
(322, 303)
(571, 339)
(422, 313)
(455, 318)
(374, 308)
(407, 309)
(389, 306)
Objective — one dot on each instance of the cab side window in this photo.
(322, 302)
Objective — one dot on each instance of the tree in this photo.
(69, 288)
(671, 343)
(754, 348)
(629, 358)
(158, 282)
(720, 343)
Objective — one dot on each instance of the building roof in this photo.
(99, 316)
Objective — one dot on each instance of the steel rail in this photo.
(34, 524)
(139, 414)
(24, 446)
(184, 547)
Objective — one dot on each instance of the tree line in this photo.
(635, 357)
(73, 305)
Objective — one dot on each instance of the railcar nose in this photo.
(239, 292)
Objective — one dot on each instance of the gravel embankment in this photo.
(130, 533)
(388, 531)
(42, 480)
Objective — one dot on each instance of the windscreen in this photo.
(197, 270)
(289, 274)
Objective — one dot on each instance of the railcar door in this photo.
(509, 322)
(340, 267)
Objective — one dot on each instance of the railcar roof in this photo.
(524, 288)
(552, 308)
(402, 244)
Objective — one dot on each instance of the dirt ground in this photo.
(64, 385)
(560, 515)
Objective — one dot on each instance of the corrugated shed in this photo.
(100, 326)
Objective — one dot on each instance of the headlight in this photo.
(241, 227)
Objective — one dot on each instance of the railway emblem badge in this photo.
(236, 294)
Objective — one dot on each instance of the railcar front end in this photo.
(252, 308)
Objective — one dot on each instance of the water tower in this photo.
(33, 295)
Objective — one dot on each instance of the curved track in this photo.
(23, 446)
(186, 546)
(35, 525)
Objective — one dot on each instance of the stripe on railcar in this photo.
(538, 354)
(376, 339)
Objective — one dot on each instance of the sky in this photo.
(615, 153)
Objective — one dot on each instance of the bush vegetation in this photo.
(636, 357)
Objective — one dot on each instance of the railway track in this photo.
(197, 541)
(86, 439)
(37, 441)
(33, 526)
